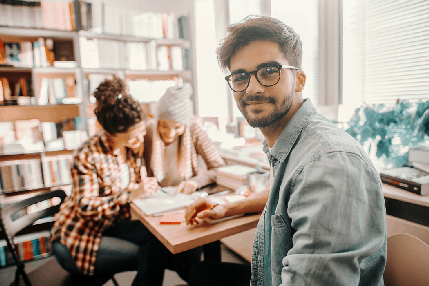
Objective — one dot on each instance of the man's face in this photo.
(260, 105)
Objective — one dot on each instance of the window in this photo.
(385, 51)
(212, 92)
(303, 17)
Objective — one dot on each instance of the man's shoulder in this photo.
(329, 137)
(321, 137)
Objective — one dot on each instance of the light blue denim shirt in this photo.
(325, 221)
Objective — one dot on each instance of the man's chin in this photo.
(263, 121)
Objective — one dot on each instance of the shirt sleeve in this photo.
(338, 217)
(86, 192)
(204, 147)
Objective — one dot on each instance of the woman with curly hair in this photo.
(93, 233)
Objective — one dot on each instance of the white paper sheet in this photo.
(162, 202)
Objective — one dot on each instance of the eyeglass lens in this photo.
(267, 76)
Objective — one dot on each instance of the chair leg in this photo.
(20, 273)
(114, 281)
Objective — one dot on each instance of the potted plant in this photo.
(391, 130)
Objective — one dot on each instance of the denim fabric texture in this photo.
(324, 222)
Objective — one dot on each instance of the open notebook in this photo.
(161, 202)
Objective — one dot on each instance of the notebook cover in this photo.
(172, 218)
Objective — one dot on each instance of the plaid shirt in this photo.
(97, 201)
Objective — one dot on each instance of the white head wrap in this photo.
(176, 104)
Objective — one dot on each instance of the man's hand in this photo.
(202, 208)
(186, 187)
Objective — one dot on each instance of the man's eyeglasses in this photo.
(266, 76)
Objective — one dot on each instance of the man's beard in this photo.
(273, 117)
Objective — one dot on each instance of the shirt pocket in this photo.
(281, 242)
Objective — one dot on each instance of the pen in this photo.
(210, 208)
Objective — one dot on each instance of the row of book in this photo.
(26, 136)
(97, 53)
(16, 91)
(22, 175)
(149, 90)
(99, 17)
(40, 53)
(58, 91)
(56, 170)
(57, 15)
(29, 247)
(19, 91)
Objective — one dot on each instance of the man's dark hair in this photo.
(254, 28)
(116, 110)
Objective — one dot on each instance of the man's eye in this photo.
(268, 71)
(240, 77)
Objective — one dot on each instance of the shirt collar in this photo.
(107, 144)
(290, 133)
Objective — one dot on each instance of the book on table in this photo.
(419, 153)
(233, 176)
(410, 179)
(162, 202)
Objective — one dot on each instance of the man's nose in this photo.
(254, 85)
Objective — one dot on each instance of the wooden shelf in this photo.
(34, 155)
(14, 69)
(156, 75)
(102, 71)
(53, 70)
(128, 38)
(17, 32)
(45, 113)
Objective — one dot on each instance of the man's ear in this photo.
(300, 78)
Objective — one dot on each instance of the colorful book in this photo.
(410, 179)
(12, 52)
(2, 54)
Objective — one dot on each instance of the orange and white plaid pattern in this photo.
(97, 200)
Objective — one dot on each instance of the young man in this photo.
(324, 218)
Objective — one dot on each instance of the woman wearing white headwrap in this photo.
(174, 141)
(171, 147)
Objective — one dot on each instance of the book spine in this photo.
(36, 249)
(408, 186)
(3, 262)
(27, 247)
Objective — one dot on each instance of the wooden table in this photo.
(179, 238)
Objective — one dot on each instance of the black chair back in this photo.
(12, 225)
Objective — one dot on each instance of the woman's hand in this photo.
(150, 185)
(186, 187)
(203, 208)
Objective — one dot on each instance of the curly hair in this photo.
(254, 28)
(116, 109)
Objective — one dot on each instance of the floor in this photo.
(124, 279)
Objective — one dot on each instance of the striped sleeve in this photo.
(205, 148)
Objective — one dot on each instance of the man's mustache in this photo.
(256, 98)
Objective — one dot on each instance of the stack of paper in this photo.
(233, 176)
(161, 202)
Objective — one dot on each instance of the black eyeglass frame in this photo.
(255, 72)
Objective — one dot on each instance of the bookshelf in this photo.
(56, 80)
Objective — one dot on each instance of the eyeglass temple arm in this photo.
(289, 67)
